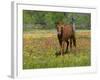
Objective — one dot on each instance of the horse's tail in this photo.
(74, 41)
(73, 38)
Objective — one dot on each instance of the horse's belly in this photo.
(67, 35)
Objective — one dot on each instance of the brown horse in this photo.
(65, 34)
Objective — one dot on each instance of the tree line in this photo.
(46, 20)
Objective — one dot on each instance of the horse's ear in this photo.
(56, 22)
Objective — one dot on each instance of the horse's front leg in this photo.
(62, 48)
(67, 46)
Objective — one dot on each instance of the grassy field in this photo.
(40, 47)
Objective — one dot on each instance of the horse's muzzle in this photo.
(58, 33)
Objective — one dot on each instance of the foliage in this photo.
(46, 20)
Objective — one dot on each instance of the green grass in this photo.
(40, 47)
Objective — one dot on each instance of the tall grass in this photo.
(41, 46)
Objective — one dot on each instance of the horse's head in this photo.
(59, 26)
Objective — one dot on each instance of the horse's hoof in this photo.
(66, 52)
(57, 53)
(62, 55)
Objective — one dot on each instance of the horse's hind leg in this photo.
(70, 43)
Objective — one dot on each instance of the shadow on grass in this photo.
(59, 53)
